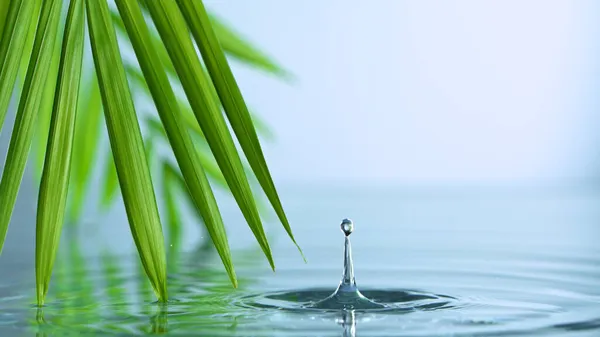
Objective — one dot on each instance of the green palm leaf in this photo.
(210, 167)
(33, 89)
(55, 176)
(45, 113)
(111, 182)
(62, 116)
(87, 132)
(127, 146)
(14, 37)
(242, 50)
(172, 216)
(26, 54)
(175, 35)
(232, 100)
(3, 12)
(176, 130)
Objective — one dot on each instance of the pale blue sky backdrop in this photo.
(426, 91)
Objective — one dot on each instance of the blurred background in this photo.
(428, 92)
(453, 116)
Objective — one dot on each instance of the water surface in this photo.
(446, 262)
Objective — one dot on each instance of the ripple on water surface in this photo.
(204, 303)
(508, 293)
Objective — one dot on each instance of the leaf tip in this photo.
(267, 251)
(163, 298)
(232, 277)
(41, 296)
(287, 77)
(272, 264)
(301, 252)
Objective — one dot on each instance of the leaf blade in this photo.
(111, 182)
(22, 135)
(237, 47)
(233, 102)
(172, 216)
(128, 147)
(3, 12)
(55, 176)
(171, 26)
(87, 136)
(45, 113)
(175, 128)
(14, 38)
(210, 167)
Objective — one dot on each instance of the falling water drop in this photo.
(347, 226)
(347, 295)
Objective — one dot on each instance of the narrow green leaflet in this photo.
(127, 146)
(186, 111)
(118, 22)
(156, 127)
(33, 89)
(172, 217)
(14, 36)
(232, 100)
(176, 131)
(234, 45)
(231, 43)
(260, 125)
(45, 113)
(111, 182)
(157, 44)
(242, 50)
(262, 128)
(171, 26)
(171, 206)
(149, 150)
(3, 12)
(87, 136)
(33, 24)
(190, 119)
(55, 177)
(175, 178)
(208, 163)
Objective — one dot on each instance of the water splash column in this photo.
(348, 282)
(347, 296)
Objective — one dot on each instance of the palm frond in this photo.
(243, 51)
(68, 92)
(18, 18)
(233, 102)
(175, 34)
(176, 132)
(57, 166)
(87, 136)
(29, 105)
(3, 11)
(127, 147)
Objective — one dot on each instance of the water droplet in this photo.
(347, 295)
(347, 226)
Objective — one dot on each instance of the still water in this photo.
(442, 261)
